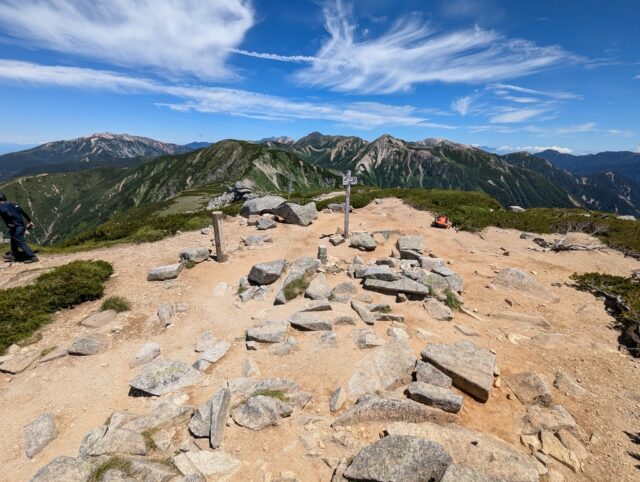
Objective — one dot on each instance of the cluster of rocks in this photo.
(240, 191)
(290, 213)
(172, 271)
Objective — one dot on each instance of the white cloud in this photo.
(560, 95)
(620, 132)
(414, 52)
(534, 149)
(588, 127)
(218, 100)
(190, 37)
(511, 116)
(462, 105)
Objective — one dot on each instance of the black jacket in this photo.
(13, 215)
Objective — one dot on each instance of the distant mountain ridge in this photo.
(96, 150)
(626, 163)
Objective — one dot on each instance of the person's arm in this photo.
(24, 214)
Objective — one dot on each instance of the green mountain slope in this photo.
(66, 204)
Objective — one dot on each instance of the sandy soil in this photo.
(83, 392)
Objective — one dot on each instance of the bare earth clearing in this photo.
(82, 392)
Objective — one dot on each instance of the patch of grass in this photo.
(148, 439)
(296, 288)
(112, 463)
(279, 394)
(116, 303)
(190, 264)
(48, 350)
(241, 289)
(451, 300)
(622, 300)
(23, 310)
(382, 309)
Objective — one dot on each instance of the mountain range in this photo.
(130, 171)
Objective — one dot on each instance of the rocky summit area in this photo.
(400, 353)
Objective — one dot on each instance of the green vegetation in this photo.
(279, 394)
(48, 350)
(112, 463)
(296, 288)
(116, 303)
(25, 309)
(451, 300)
(148, 439)
(622, 299)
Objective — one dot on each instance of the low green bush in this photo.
(23, 310)
(116, 303)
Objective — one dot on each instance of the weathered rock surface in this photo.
(403, 285)
(165, 314)
(296, 214)
(302, 268)
(164, 376)
(368, 339)
(38, 434)
(88, 344)
(317, 305)
(363, 312)
(19, 363)
(387, 367)
(318, 288)
(553, 419)
(166, 413)
(310, 321)
(256, 240)
(216, 352)
(259, 412)
(363, 242)
(269, 332)
(204, 342)
(435, 396)
(195, 255)
(243, 388)
(261, 205)
(469, 366)
(412, 243)
(119, 441)
(147, 353)
(266, 223)
(530, 388)
(522, 282)
(552, 446)
(213, 463)
(162, 273)
(427, 373)
(381, 272)
(569, 386)
(459, 473)
(99, 319)
(399, 458)
(337, 400)
(437, 310)
(478, 451)
(375, 409)
(267, 273)
(209, 420)
(64, 469)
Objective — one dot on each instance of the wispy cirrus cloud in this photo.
(534, 149)
(218, 100)
(559, 95)
(414, 52)
(462, 105)
(186, 37)
(509, 115)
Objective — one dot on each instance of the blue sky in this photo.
(505, 74)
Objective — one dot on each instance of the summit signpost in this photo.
(347, 181)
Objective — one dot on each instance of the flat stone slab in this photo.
(216, 352)
(437, 310)
(213, 463)
(317, 305)
(310, 321)
(19, 363)
(427, 373)
(517, 280)
(478, 451)
(147, 353)
(434, 396)
(403, 285)
(260, 411)
(363, 312)
(64, 469)
(381, 272)
(267, 273)
(469, 366)
(165, 376)
(530, 388)
(266, 223)
(375, 409)
(39, 433)
(412, 242)
(318, 288)
(89, 344)
(269, 332)
(99, 319)
(399, 458)
(162, 273)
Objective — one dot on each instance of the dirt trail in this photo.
(83, 392)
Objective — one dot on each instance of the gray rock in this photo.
(266, 223)
(259, 412)
(438, 285)
(375, 409)
(310, 321)
(150, 471)
(363, 242)
(530, 388)
(162, 273)
(210, 418)
(469, 366)
(517, 280)
(403, 285)
(569, 386)
(465, 330)
(338, 398)
(99, 319)
(164, 376)
(213, 463)
(269, 332)
(243, 388)
(437, 310)
(412, 243)
(435, 396)
(475, 450)
(302, 269)
(216, 352)
(382, 272)
(337, 239)
(267, 273)
(399, 458)
(344, 320)
(317, 305)
(528, 319)
(256, 240)
(119, 441)
(398, 333)
(338, 207)
(260, 205)
(147, 353)
(165, 314)
(166, 413)
(391, 262)
(53, 355)
(318, 288)
(295, 214)
(195, 255)
(19, 363)
(368, 339)
(205, 341)
(386, 368)
(517, 209)
(88, 344)
(64, 469)
(429, 263)
(250, 368)
(39, 433)
(459, 473)
(427, 373)
(553, 419)
(363, 312)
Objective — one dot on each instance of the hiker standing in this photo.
(14, 217)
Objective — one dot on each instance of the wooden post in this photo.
(347, 200)
(289, 191)
(217, 232)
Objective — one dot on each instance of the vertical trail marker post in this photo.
(347, 181)
(217, 233)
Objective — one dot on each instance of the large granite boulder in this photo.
(38, 434)
(267, 273)
(363, 242)
(164, 376)
(195, 255)
(261, 205)
(295, 214)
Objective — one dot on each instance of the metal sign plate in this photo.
(352, 180)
